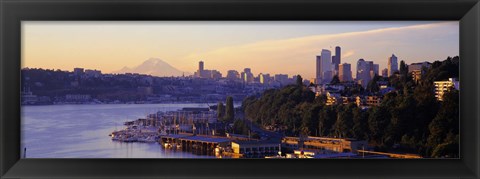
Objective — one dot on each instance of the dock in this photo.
(199, 143)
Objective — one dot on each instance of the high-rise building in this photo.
(264, 78)
(336, 59)
(365, 72)
(345, 72)
(326, 65)
(233, 75)
(247, 75)
(392, 65)
(385, 72)
(281, 78)
(318, 73)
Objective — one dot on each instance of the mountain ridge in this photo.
(154, 67)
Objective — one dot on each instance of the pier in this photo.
(189, 142)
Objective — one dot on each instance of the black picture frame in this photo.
(12, 12)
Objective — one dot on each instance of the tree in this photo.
(344, 122)
(446, 121)
(372, 85)
(377, 123)
(335, 80)
(220, 110)
(229, 113)
(299, 80)
(360, 121)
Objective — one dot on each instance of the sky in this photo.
(274, 47)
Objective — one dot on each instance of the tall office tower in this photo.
(345, 72)
(336, 59)
(392, 65)
(326, 65)
(318, 73)
(372, 69)
(364, 69)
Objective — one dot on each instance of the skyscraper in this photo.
(336, 59)
(326, 65)
(392, 65)
(366, 70)
(345, 72)
(318, 73)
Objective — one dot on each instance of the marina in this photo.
(198, 131)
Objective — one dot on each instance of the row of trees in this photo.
(408, 120)
(226, 113)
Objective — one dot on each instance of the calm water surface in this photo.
(81, 131)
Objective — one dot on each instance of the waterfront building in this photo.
(441, 87)
(345, 72)
(392, 65)
(324, 143)
(77, 97)
(255, 148)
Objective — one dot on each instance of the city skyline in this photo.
(410, 41)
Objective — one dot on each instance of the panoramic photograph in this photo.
(240, 89)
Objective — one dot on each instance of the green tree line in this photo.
(409, 119)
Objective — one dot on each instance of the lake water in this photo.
(81, 131)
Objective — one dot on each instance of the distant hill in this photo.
(154, 67)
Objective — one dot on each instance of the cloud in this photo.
(297, 55)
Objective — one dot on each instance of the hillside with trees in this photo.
(409, 119)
